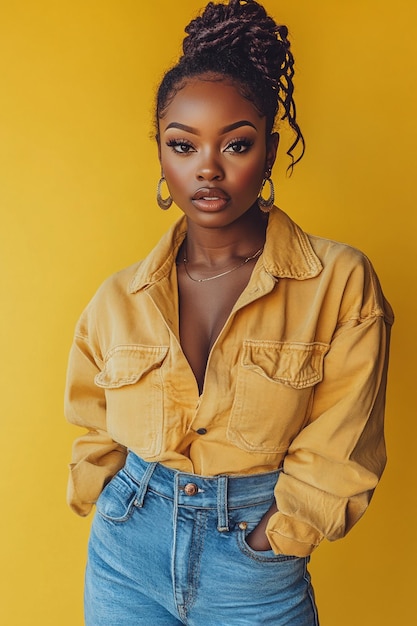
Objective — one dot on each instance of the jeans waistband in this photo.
(223, 492)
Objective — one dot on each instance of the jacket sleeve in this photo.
(333, 465)
(95, 456)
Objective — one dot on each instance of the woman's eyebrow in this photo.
(188, 129)
(235, 125)
(226, 129)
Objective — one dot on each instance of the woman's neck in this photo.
(216, 247)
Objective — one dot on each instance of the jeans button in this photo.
(190, 489)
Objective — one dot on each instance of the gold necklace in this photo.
(233, 269)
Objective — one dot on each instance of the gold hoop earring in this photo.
(163, 203)
(266, 204)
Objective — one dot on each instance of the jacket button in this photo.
(190, 489)
(201, 431)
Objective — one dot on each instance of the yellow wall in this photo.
(78, 171)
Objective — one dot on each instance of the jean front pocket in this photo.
(117, 501)
(260, 556)
(132, 381)
(274, 390)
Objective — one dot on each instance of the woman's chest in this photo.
(204, 308)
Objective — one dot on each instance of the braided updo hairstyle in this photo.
(239, 41)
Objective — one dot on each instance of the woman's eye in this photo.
(238, 146)
(180, 147)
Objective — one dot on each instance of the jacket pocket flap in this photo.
(125, 365)
(298, 365)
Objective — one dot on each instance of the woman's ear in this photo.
(271, 150)
(158, 144)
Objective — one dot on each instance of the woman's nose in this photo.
(209, 168)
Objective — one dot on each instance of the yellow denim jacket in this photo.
(295, 379)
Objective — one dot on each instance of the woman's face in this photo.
(213, 151)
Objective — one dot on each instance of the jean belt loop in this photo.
(144, 484)
(222, 510)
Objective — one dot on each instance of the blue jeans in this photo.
(168, 548)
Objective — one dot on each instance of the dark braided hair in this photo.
(241, 42)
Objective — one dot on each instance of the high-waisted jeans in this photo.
(169, 548)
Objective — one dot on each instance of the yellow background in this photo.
(78, 170)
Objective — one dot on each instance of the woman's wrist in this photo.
(257, 539)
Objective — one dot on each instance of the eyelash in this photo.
(243, 142)
(179, 143)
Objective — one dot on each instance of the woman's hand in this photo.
(257, 539)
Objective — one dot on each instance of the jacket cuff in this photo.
(290, 536)
(86, 482)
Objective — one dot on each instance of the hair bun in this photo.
(243, 29)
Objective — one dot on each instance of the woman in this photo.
(233, 382)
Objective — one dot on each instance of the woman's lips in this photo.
(210, 199)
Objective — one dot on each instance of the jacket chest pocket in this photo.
(274, 391)
(132, 381)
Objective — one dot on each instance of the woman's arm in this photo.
(334, 464)
(95, 457)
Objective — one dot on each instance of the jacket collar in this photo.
(288, 252)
